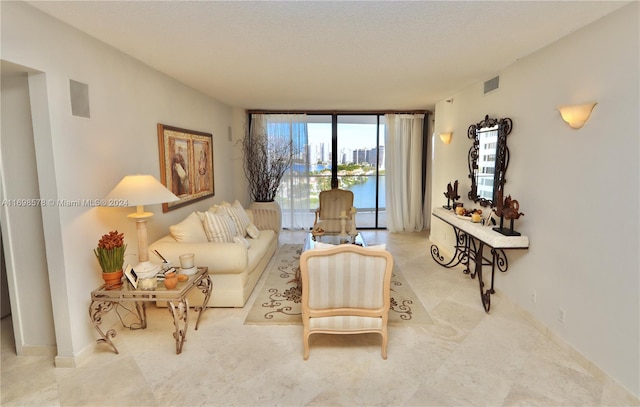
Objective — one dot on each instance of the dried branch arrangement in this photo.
(266, 159)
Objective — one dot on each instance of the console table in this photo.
(470, 241)
(103, 301)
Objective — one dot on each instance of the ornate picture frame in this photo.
(186, 164)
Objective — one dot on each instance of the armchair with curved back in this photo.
(345, 290)
(332, 203)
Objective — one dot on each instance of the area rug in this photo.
(278, 302)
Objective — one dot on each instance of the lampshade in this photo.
(576, 115)
(139, 190)
(445, 137)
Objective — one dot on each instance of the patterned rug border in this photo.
(278, 301)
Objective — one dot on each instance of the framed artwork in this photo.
(186, 164)
(131, 276)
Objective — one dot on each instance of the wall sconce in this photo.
(576, 115)
(445, 137)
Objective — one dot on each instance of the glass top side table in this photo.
(103, 301)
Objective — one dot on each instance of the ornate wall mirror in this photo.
(488, 159)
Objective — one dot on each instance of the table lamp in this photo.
(139, 190)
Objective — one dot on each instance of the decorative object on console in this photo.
(186, 165)
(110, 255)
(452, 195)
(508, 209)
(140, 190)
(576, 115)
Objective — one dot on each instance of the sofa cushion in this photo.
(241, 240)
(189, 230)
(239, 215)
(258, 248)
(220, 227)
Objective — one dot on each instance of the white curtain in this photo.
(403, 162)
(293, 193)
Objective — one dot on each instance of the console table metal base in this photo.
(467, 250)
(471, 239)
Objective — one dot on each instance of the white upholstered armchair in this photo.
(345, 290)
(333, 203)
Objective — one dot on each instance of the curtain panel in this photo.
(404, 172)
(293, 192)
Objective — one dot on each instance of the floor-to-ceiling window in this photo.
(361, 169)
(347, 150)
(344, 150)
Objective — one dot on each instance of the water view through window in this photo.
(357, 149)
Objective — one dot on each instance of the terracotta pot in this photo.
(112, 281)
(170, 280)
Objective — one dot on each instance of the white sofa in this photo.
(234, 269)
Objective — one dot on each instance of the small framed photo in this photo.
(131, 276)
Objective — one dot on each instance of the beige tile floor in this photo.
(466, 358)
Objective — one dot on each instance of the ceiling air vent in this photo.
(491, 85)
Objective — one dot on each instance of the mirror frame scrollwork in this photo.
(504, 127)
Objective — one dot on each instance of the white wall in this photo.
(27, 277)
(579, 189)
(80, 158)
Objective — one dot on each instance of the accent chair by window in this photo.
(333, 202)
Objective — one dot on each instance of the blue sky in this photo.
(350, 136)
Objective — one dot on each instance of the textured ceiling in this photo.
(343, 55)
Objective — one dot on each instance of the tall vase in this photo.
(267, 215)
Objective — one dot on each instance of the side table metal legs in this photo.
(100, 307)
(205, 286)
(103, 301)
(96, 310)
(180, 313)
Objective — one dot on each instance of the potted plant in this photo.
(266, 160)
(110, 255)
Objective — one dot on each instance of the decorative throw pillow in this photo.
(214, 208)
(189, 230)
(201, 216)
(253, 231)
(242, 241)
(239, 216)
(220, 227)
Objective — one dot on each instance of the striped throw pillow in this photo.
(219, 227)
